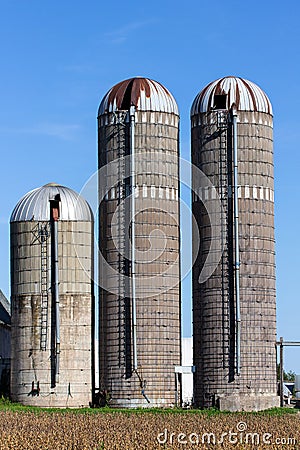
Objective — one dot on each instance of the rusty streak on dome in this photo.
(245, 94)
(143, 93)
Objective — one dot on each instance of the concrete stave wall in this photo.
(158, 314)
(213, 337)
(29, 362)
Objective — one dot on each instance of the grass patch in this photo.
(276, 411)
(7, 405)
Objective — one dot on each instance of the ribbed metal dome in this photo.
(246, 95)
(34, 206)
(144, 94)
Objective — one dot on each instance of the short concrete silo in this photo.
(52, 298)
(140, 297)
(234, 310)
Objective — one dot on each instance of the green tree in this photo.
(287, 376)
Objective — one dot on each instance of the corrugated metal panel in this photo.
(144, 94)
(246, 95)
(35, 205)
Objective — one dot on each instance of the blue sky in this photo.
(58, 59)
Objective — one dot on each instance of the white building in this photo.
(187, 378)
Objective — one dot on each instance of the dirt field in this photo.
(150, 430)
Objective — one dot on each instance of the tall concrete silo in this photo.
(52, 298)
(234, 310)
(139, 241)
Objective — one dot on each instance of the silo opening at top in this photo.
(127, 102)
(220, 101)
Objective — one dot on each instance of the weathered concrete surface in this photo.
(214, 300)
(30, 364)
(250, 402)
(158, 315)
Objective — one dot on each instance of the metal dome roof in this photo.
(246, 95)
(143, 93)
(35, 205)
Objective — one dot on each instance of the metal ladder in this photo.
(224, 194)
(44, 235)
(120, 193)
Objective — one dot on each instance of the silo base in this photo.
(140, 403)
(248, 402)
(63, 396)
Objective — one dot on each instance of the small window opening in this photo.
(220, 101)
(54, 208)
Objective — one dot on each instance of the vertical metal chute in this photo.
(54, 217)
(236, 241)
(133, 293)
